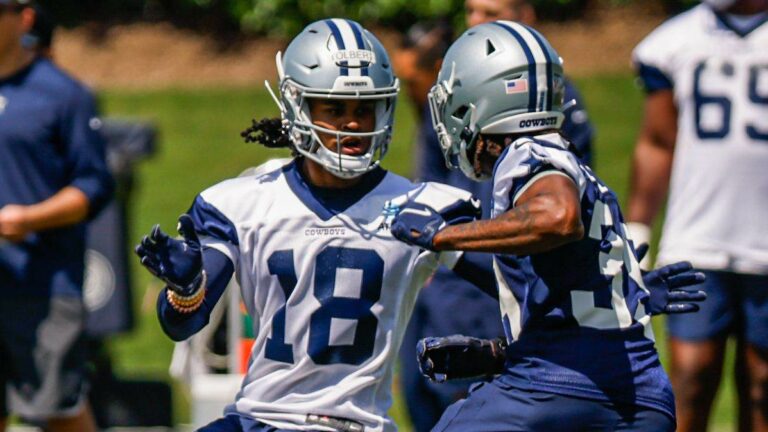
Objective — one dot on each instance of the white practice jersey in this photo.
(329, 289)
(717, 213)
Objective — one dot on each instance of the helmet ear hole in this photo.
(460, 112)
(489, 47)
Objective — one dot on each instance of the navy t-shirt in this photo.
(49, 139)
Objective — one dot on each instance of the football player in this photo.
(446, 290)
(574, 307)
(704, 140)
(329, 288)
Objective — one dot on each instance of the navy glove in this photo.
(179, 263)
(665, 285)
(418, 224)
(454, 357)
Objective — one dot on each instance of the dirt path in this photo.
(159, 55)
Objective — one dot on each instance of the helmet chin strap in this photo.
(719, 5)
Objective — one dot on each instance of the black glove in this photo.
(179, 263)
(454, 357)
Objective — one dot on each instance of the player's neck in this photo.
(14, 60)
(318, 176)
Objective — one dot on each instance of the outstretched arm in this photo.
(545, 216)
(195, 278)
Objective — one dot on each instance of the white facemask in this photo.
(719, 5)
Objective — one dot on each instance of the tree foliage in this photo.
(287, 17)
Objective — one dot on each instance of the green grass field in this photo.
(200, 145)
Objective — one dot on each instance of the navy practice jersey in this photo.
(49, 139)
(575, 316)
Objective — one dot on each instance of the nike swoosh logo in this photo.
(424, 212)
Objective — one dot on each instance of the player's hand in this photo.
(667, 295)
(417, 223)
(454, 357)
(179, 263)
(14, 224)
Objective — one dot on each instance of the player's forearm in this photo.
(649, 183)
(67, 207)
(652, 160)
(531, 227)
(180, 326)
(477, 268)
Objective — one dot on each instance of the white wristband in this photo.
(640, 233)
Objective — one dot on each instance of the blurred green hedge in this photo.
(287, 17)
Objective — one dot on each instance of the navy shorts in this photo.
(498, 407)
(736, 304)
(42, 356)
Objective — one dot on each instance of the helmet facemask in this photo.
(306, 134)
(458, 153)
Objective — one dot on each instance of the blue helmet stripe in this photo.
(550, 77)
(339, 43)
(533, 87)
(360, 44)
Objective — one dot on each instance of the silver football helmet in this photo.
(497, 78)
(336, 59)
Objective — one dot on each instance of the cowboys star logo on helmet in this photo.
(516, 86)
(336, 59)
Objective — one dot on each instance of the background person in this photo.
(53, 177)
(704, 139)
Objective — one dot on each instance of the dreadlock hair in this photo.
(488, 148)
(269, 132)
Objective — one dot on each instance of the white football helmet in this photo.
(336, 59)
(497, 78)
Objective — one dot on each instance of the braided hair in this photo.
(269, 132)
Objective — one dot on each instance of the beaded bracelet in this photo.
(191, 303)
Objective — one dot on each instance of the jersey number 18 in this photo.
(327, 263)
